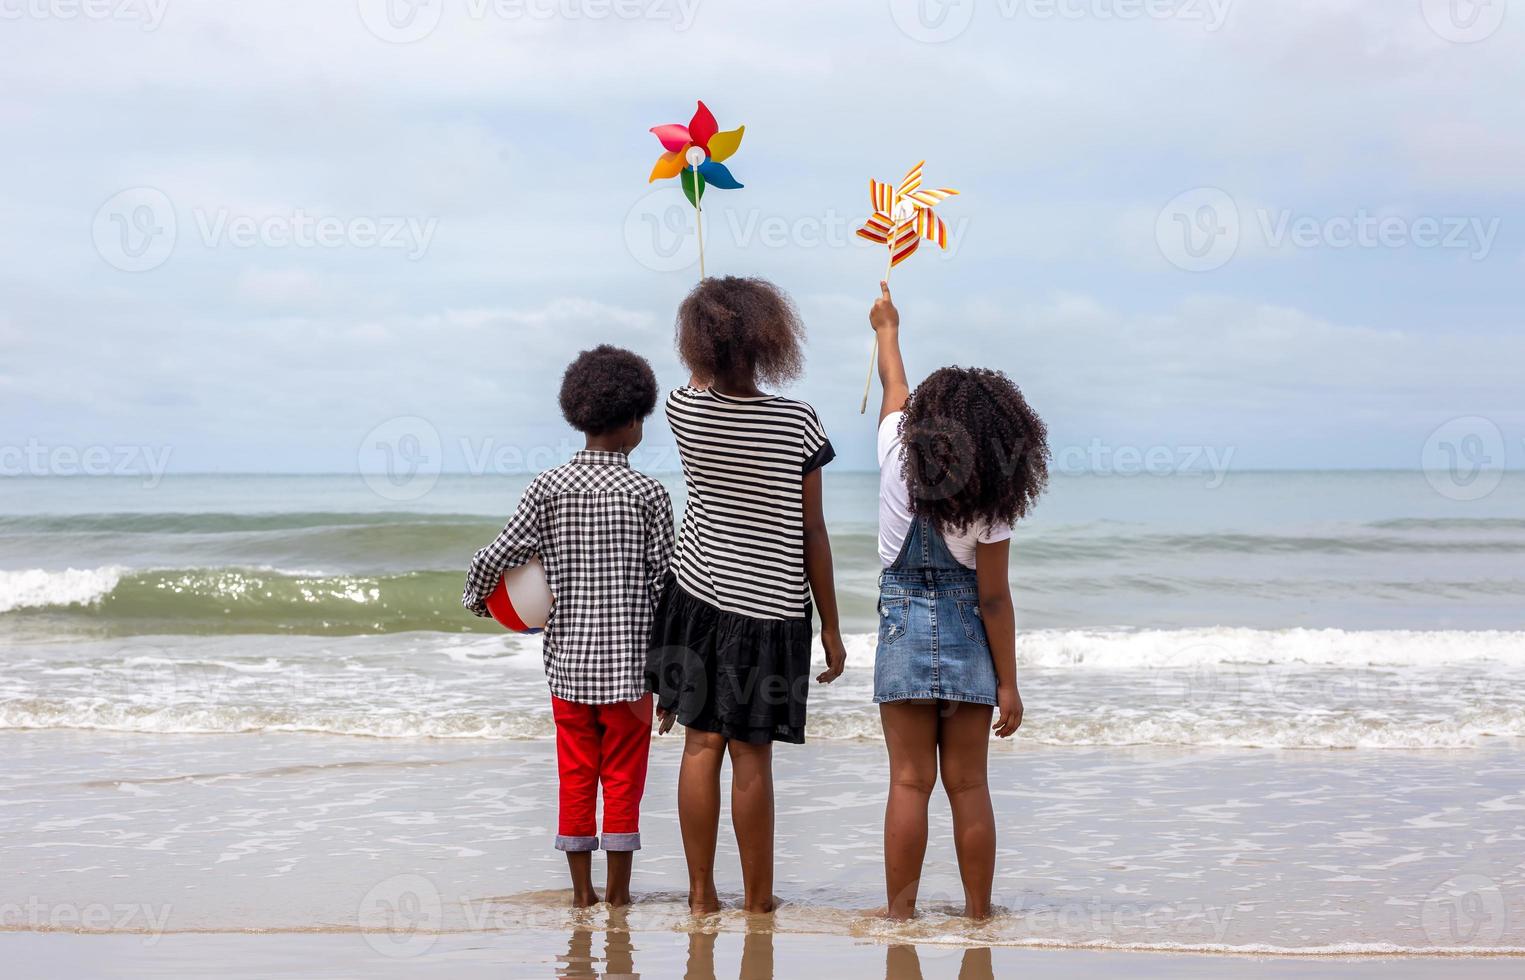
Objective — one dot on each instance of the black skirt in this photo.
(740, 677)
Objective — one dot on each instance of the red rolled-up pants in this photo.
(601, 744)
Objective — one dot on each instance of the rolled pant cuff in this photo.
(576, 843)
(622, 842)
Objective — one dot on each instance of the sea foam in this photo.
(34, 588)
(1104, 649)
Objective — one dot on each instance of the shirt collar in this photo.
(739, 399)
(599, 457)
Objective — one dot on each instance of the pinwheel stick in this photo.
(699, 222)
(873, 353)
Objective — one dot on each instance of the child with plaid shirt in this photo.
(605, 536)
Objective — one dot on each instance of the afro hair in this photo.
(975, 451)
(607, 388)
(740, 330)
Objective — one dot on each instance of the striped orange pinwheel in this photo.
(903, 216)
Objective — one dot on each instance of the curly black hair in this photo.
(606, 388)
(738, 329)
(975, 451)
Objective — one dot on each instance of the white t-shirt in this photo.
(895, 506)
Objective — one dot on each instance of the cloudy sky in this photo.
(274, 236)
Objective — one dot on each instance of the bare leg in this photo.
(580, 863)
(699, 814)
(964, 747)
(910, 734)
(625, 741)
(752, 817)
(617, 882)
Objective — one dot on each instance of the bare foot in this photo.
(702, 904)
(580, 864)
(617, 882)
(883, 912)
(762, 907)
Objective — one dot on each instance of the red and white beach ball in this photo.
(522, 600)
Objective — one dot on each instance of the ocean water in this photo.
(1275, 713)
(1329, 610)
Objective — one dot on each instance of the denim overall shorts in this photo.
(932, 641)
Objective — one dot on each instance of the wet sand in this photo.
(447, 843)
(591, 953)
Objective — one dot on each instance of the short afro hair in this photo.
(738, 329)
(975, 451)
(607, 388)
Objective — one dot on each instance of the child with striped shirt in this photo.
(731, 644)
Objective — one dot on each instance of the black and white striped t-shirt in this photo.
(742, 546)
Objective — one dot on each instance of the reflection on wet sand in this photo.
(617, 962)
(618, 959)
(904, 963)
(756, 956)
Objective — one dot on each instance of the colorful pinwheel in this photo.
(695, 152)
(903, 216)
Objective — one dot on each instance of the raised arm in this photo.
(885, 320)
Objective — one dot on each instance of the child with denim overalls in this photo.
(932, 602)
(960, 461)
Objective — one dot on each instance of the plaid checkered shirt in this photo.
(604, 533)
